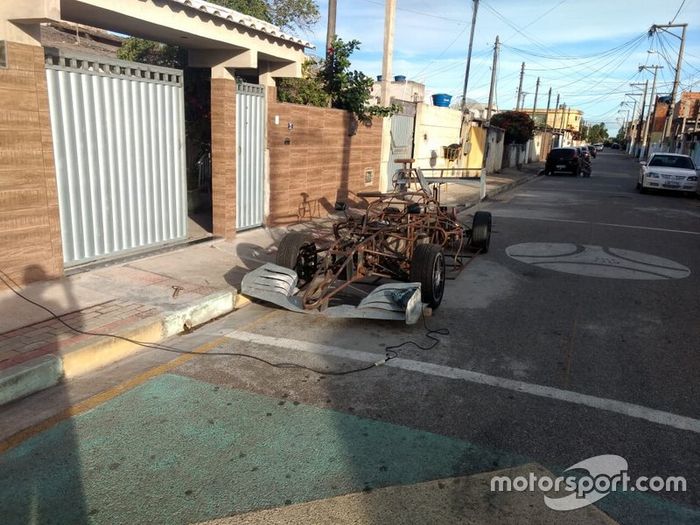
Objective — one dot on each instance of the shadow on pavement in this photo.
(41, 479)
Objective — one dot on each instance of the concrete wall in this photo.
(477, 139)
(436, 128)
(494, 157)
(540, 146)
(29, 222)
(315, 161)
(408, 90)
(546, 145)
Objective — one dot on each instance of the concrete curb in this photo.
(511, 185)
(97, 352)
(27, 378)
(500, 189)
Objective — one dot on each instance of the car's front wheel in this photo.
(297, 251)
(428, 269)
(641, 187)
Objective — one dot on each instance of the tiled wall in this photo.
(314, 160)
(223, 142)
(30, 241)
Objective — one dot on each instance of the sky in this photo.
(587, 51)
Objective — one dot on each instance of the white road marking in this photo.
(572, 221)
(622, 192)
(611, 405)
(596, 261)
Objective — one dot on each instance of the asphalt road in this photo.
(575, 336)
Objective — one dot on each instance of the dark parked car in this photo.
(593, 151)
(615, 146)
(563, 160)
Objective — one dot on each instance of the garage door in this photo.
(118, 139)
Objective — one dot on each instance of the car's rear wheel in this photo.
(481, 231)
(428, 269)
(297, 251)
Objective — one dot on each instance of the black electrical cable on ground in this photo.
(391, 351)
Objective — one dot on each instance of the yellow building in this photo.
(566, 117)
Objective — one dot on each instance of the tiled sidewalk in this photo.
(29, 342)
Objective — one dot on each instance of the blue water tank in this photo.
(442, 100)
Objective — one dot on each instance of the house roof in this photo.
(245, 20)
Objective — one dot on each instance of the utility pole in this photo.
(632, 126)
(534, 104)
(554, 122)
(652, 109)
(330, 32)
(640, 124)
(520, 86)
(563, 123)
(523, 96)
(633, 138)
(469, 57)
(676, 80)
(389, 15)
(546, 113)
(492, 89)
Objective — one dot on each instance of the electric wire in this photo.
(677, 12)
(391, 352)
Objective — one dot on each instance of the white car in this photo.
(598, 146)
(668, 171)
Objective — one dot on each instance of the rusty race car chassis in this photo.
(404, 236)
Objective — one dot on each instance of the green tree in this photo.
(257, 8)
(597, 133)
(307, 90)
(150, 52)
(350, 90)
(288, 14)
(519, 127)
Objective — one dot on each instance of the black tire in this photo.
(577, 172)
(428, 269)
(481, 231)
(297, 251)
(641, 187)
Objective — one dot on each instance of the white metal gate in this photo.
(118, 140)
(402, 126)
(250, 156)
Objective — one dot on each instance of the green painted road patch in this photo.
(177, 450)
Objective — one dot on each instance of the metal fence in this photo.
(118, 139)
(250, 156)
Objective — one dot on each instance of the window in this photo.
(672, 161)
(3, 54)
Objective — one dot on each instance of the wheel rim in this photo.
(438, 276)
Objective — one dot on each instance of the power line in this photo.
(422, 13)
(677, 12)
